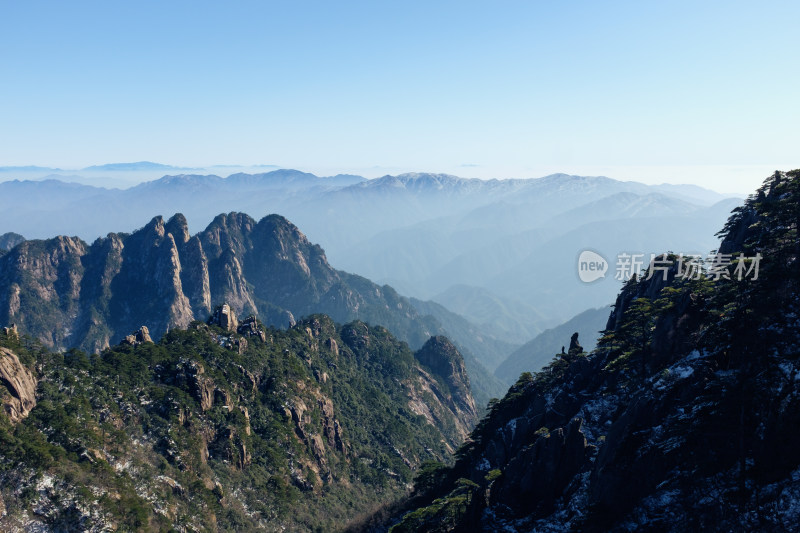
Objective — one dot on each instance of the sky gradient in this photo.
(697, 92)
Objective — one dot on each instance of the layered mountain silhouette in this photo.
(683, 417)
(424, 234)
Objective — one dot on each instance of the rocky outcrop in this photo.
(20, 385)
(538, 475)
(444, 360)
(250, 327)
(192, 376)
(574, 346)
(140, 336)
(235, 447)
(441, 394)
(11, 331)
(316, 426)
(225, 318)
(331, 429)
(331, 345)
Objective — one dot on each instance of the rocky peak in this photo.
(649, 289)
(230, 231)
(445, 361)
(441, 356)
(156, 225)
(178, 227)
(10, 240)
(20, 384)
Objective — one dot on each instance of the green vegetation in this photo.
(444, 514)
(305, 431)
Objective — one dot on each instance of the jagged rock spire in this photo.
(224, 317)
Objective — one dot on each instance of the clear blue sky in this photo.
(703, 92)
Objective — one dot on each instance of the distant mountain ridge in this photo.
(241, 181)
(137, 166)
(28, 168)
(425, 234)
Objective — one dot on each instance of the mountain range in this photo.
(335, 396)
(684, 418)
(68, 293)
(430, 236)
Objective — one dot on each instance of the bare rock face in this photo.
(41, 286)
(228, 282)
(20, 384)
(204, 389)
(225, 318)
(318, 432)
(169, 266)
(332, 346)
(246, 413)
(140, 336)
(443, 358)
